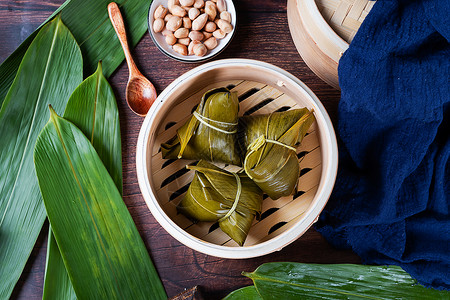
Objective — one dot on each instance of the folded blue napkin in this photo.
(390, 203)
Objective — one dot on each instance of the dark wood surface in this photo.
(262, 34)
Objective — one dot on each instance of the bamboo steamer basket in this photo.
(322, 31)
(262, 88)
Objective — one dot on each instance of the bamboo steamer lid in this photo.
(322, 31)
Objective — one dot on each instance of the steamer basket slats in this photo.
(255, 98)
(285, 214)
(261, 89)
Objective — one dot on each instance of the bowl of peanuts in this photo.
(192, 30)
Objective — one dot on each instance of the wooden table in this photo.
(262, 34)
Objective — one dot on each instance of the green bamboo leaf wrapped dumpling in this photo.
(210, 133)
(218, 195)
(267, 142)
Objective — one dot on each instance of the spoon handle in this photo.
(117, 21)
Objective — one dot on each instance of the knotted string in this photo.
(236, 199)
(256, 145)
(203, 118)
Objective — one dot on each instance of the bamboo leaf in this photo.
(50, 70)
(218, 195)
(287, 280)
(92, 108)
(57, 283)
(209, 133)
(89, 22)
(91, 26)
(247, 293)
(102, 250)
(8, 68)
(267, 143)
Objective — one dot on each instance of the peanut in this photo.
(210, 10)
(171, 3)
(225, 16)
(184, 41)
(191, 47)
(166, 32)
(199, 3)
(221, 6)
(187, 23)
(187, 2)
(207, 34)
(193, 13)
(167, 17)
(219, 34)
(225, 26)
(171, 39)
(200, 49)
(174, 23)
(178, 11)
(210, 26)
(181, 49)
(196, 35)
(160, 12)
(158, 25)
(199, 22)
(210, 43)
(181, 33)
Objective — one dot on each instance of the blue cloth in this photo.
(390, 203)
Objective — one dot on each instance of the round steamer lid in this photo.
(322, 31)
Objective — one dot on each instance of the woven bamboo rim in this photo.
(322, 31)
(345, 16)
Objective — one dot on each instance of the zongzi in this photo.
(268, 144)
(210, 133)
(217, 195)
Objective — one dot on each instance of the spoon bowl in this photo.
(140, 92)
(140, 95)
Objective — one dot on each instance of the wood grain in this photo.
(262, 34)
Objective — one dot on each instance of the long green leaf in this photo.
(287, 280)
(8, 68)
(102, 250)
(50, 70)
(88, 21)
(93, 109)
(92, 29)
(57, 283)
(247, 293)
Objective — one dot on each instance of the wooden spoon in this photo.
(140, 92)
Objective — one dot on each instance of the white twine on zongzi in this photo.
(236, 200)
(256, 145)
(203, 118)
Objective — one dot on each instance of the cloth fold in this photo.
(391, 199)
